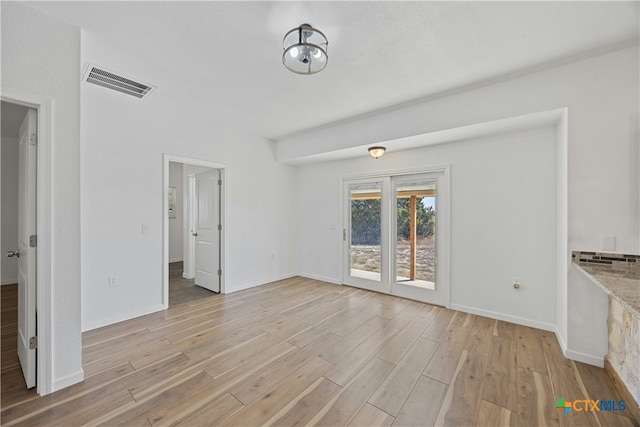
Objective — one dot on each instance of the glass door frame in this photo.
(442, 294)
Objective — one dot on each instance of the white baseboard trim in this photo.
(60, 383)
(563, 345)
(578, 356)
(589, 359)
(506, 317)
(321, 278)
(9, 281)
(175, 260)
(121, 317)
(261, 282)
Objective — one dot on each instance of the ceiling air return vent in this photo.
(101, 77)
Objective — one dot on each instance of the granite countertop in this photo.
(620, 280)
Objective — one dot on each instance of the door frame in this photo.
(445, 264)
(165, 218)
(44, 226)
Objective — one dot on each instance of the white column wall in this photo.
(41, 56)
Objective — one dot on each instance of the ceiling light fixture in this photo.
(377, 151)
(305, 50)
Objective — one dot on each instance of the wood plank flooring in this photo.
(183, 290)
(304, 352)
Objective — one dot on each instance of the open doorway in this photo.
(193, 232)
(193, 193)
(18, 236)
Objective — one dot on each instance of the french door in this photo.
(395, 235)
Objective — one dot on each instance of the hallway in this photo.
(183, 290)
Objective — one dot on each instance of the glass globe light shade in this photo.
(305, 50)
(377, 151)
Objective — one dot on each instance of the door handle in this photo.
(12, 254)
(194, 234)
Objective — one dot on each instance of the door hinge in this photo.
(219, 272)
(219, 227)
(219, 182)
(344, 234)
(33, 241)
(33, 343)
(32, 139)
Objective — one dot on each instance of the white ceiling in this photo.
(227, 55)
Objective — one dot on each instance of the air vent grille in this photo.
(110, 80)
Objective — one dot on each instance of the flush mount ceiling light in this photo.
(376, 151)
(305, 50)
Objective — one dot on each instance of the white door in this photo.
(207, 230)
(26, 248)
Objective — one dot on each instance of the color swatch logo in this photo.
(590, 405)
(563, 406)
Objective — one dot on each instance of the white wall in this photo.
(602, 97)
(503, 191)
(123, 141)
(587, 319)
(176, 238)
(41, 56)
(9, 208)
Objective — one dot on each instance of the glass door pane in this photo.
(415, 233)
(418, 238)
(364, 235)
(366, 230)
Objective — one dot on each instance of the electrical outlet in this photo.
(113, 280)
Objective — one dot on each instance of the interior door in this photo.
(207, 230)
(27, 247)
(365, 234)
(418, 237)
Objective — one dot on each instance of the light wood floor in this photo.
(303, 352)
